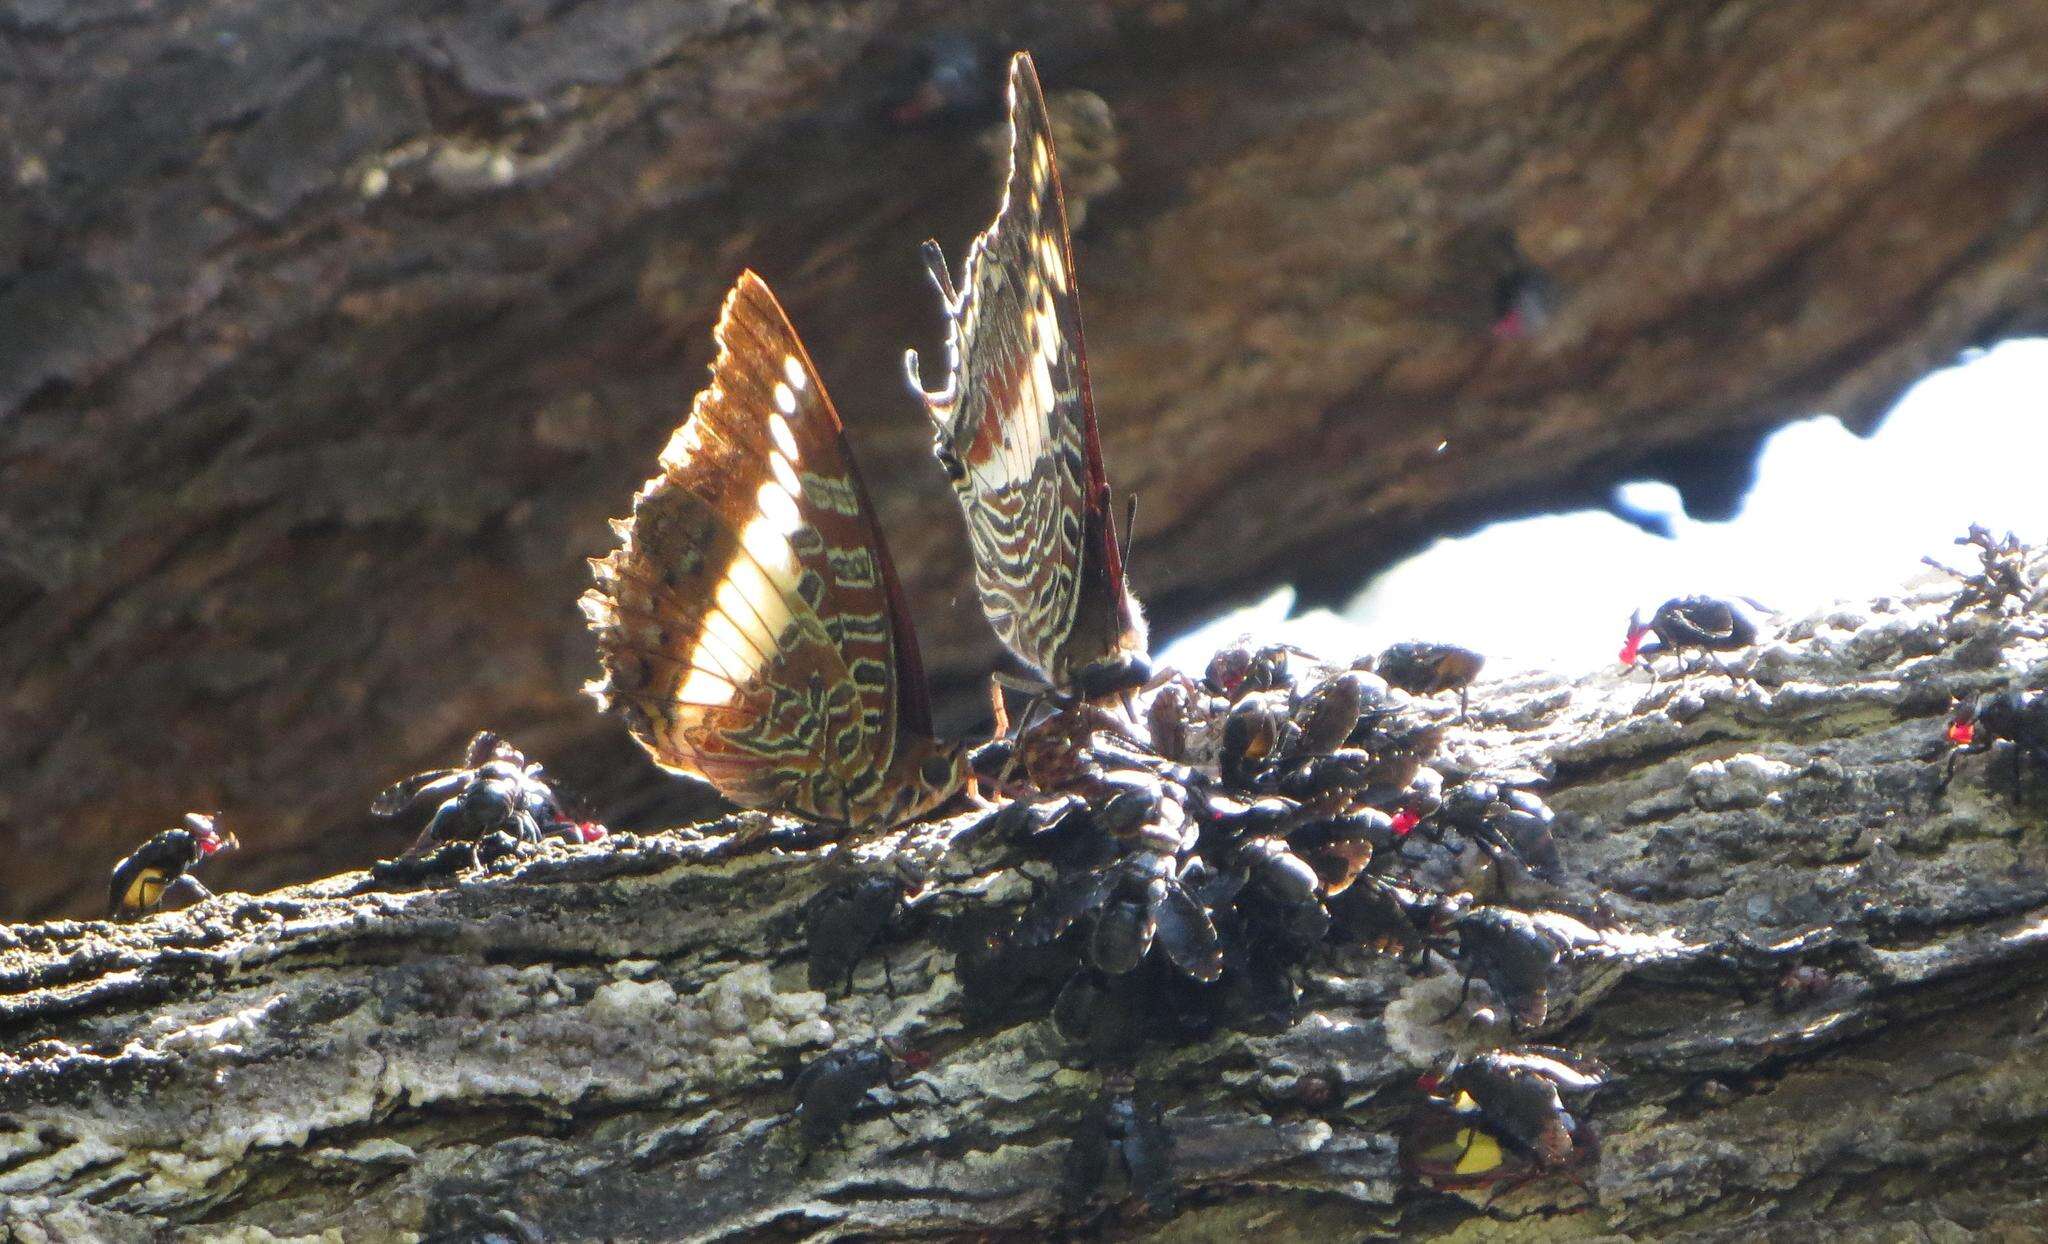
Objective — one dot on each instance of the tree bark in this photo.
(334, 334)
(595, 1042)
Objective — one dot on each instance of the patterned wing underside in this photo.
(1016, 412)
(746, 623)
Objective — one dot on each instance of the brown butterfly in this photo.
(1016, 431)
(751, 627)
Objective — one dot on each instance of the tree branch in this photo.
(597, 1041)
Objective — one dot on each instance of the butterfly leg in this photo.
(999, 709)
(1017, 755)
(977, 800)
(1129, 701)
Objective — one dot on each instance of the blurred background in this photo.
(330, 335)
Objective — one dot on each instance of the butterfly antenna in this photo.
(939, 405)
(935, 264)
(1123, 546)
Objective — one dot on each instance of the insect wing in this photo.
(1016, 420)
(750, 625)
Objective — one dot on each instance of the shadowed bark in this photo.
(595, 1042)
(334, 334)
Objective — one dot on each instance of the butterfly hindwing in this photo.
(1016, 424)
(750, 625)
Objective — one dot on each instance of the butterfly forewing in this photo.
(750, 626)
(1016, 422)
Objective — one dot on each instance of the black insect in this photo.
(157, 874)
(1001, 977)
(1328, 715)
(1287, 901)
(417, 867)
(1706, 624)
(2018, 718)
(494, 791)
(1135, 807)
(1276, 667)
(1511, 1121)
(1395, 919)
(1522, 1093)
(1515, 953)
(1253, 734)
(1118, 1128)
(1426, 669)
(1272, 866)
(1507, 823)
(842, 923)
(1400, 744)
(1228, 669)
(2001, 575)
(1136, 900)
(1167, 717)
(834, 1084)
(1340, 847)
(1227, 818)
(1062, 829)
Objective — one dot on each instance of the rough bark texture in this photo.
(334, 333)
(594, 1042)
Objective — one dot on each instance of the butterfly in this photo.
(1015, 431)
(750, 624)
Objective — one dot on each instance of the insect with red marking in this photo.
(157, 875)
(1704, 624)
(1500, 1119)
(494, 790)
(835, 1084)
(2017, 718)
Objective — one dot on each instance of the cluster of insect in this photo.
(1191, 843)
(1198, 849)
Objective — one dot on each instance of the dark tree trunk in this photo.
(594, 1042)
(332, 334)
